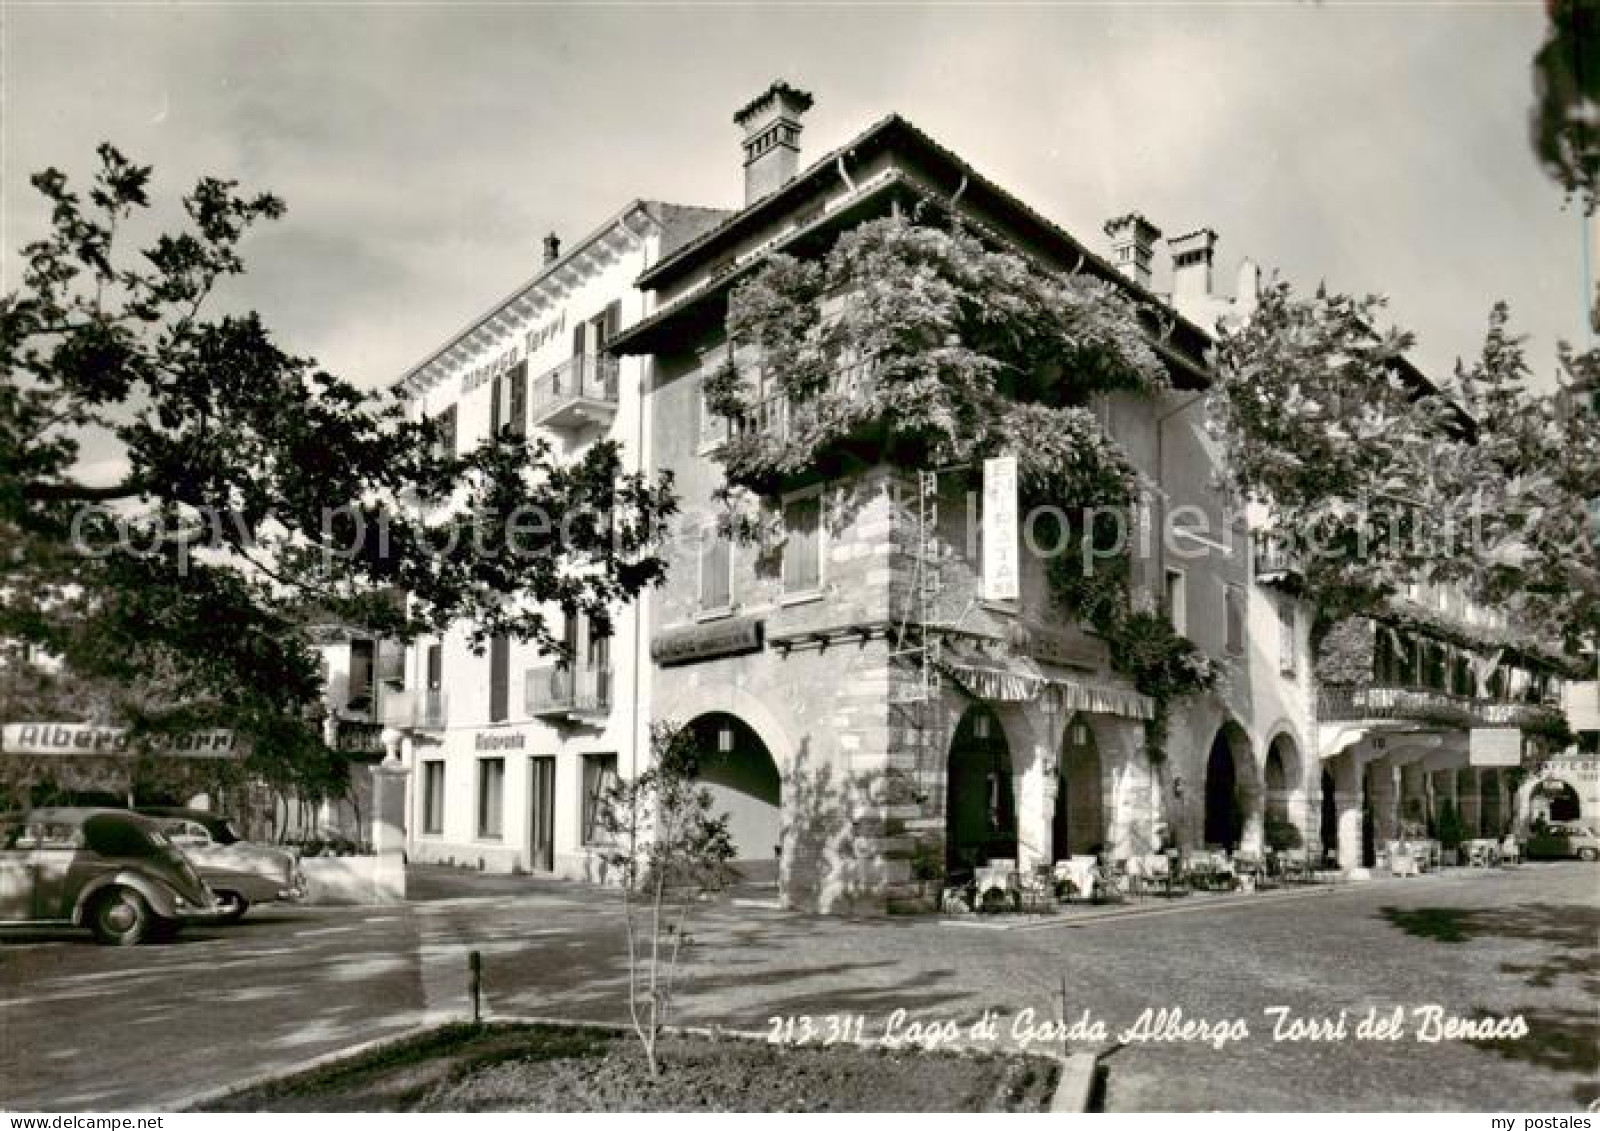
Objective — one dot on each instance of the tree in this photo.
(1565, 122)
(257, 484)
(668, 850)
(1373, 478)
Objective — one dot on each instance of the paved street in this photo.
(87, 1027)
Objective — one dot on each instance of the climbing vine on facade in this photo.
(922, 346)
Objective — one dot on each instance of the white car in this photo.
(240, 872)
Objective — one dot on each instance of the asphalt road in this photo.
(84, 1027)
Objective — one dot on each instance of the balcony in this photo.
(581, 392)
(1424, 705)
(415, 710)
(568, 693)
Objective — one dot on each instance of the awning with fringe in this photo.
(1022, 679)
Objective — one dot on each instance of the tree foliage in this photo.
(922, 346)
(1375, 479)
(255, 483)
(1565, 121)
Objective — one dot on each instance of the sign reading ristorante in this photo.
(705, 641)
(87, 738)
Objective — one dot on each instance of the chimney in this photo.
(1133, 240)
(1191, 266)
(771, 124)
(552, 248)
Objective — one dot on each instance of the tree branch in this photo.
(70, 492)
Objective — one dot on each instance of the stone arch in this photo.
(775, 730)
(1553, 798)
(742, 777)
(1078, 824)
(980, 792)
(1232, 795)
(1283, 795)
(785, 745)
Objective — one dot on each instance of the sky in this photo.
(425, 149)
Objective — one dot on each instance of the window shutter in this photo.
(446, 421)
(435, 666)
(518, 383)
(802, 550)
(611, 323)
(499, 678)
(494, 408)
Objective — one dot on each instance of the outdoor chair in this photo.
(1110, 885)
(1510, 850)
(1249, 870)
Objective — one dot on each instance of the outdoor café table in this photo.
(1000, 876)
(1080, 873)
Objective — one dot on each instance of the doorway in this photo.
(542, 814)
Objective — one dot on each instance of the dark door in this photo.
(542, 814)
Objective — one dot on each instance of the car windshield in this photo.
(223, 832)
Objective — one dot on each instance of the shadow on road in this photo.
(1563, 1040)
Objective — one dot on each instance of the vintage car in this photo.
(240, 872)
(1562, 840)
(104, 869)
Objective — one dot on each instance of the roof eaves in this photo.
(650, 208)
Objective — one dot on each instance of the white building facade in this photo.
(507, 750)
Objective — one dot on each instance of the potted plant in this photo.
(1451, 833)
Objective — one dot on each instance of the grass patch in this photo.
(551, 1068)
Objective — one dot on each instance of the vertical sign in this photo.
(1000, 576)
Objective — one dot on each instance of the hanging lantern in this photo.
(725, 738)
(980, 726)
(1080, 733)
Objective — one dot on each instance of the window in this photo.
(445, 448)
(491, 796)
(711, 428)
(435, 666)
(495, 402)
(517, 399)
(599, 646)
(599, 775)
(433, 798)
(716, 571)
(1233, 607)
(1286, 637)
(802, 547)
(359, 692)
(605, 326)
(499, 678)
(1177, 601)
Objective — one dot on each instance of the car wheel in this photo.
(235, 904)
(121, 917)
(1589, 853)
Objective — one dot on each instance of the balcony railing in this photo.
(415, 710)
(554, 691)
(1273, 561)
(579, 392)
(773, 413)
(1423, 705)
